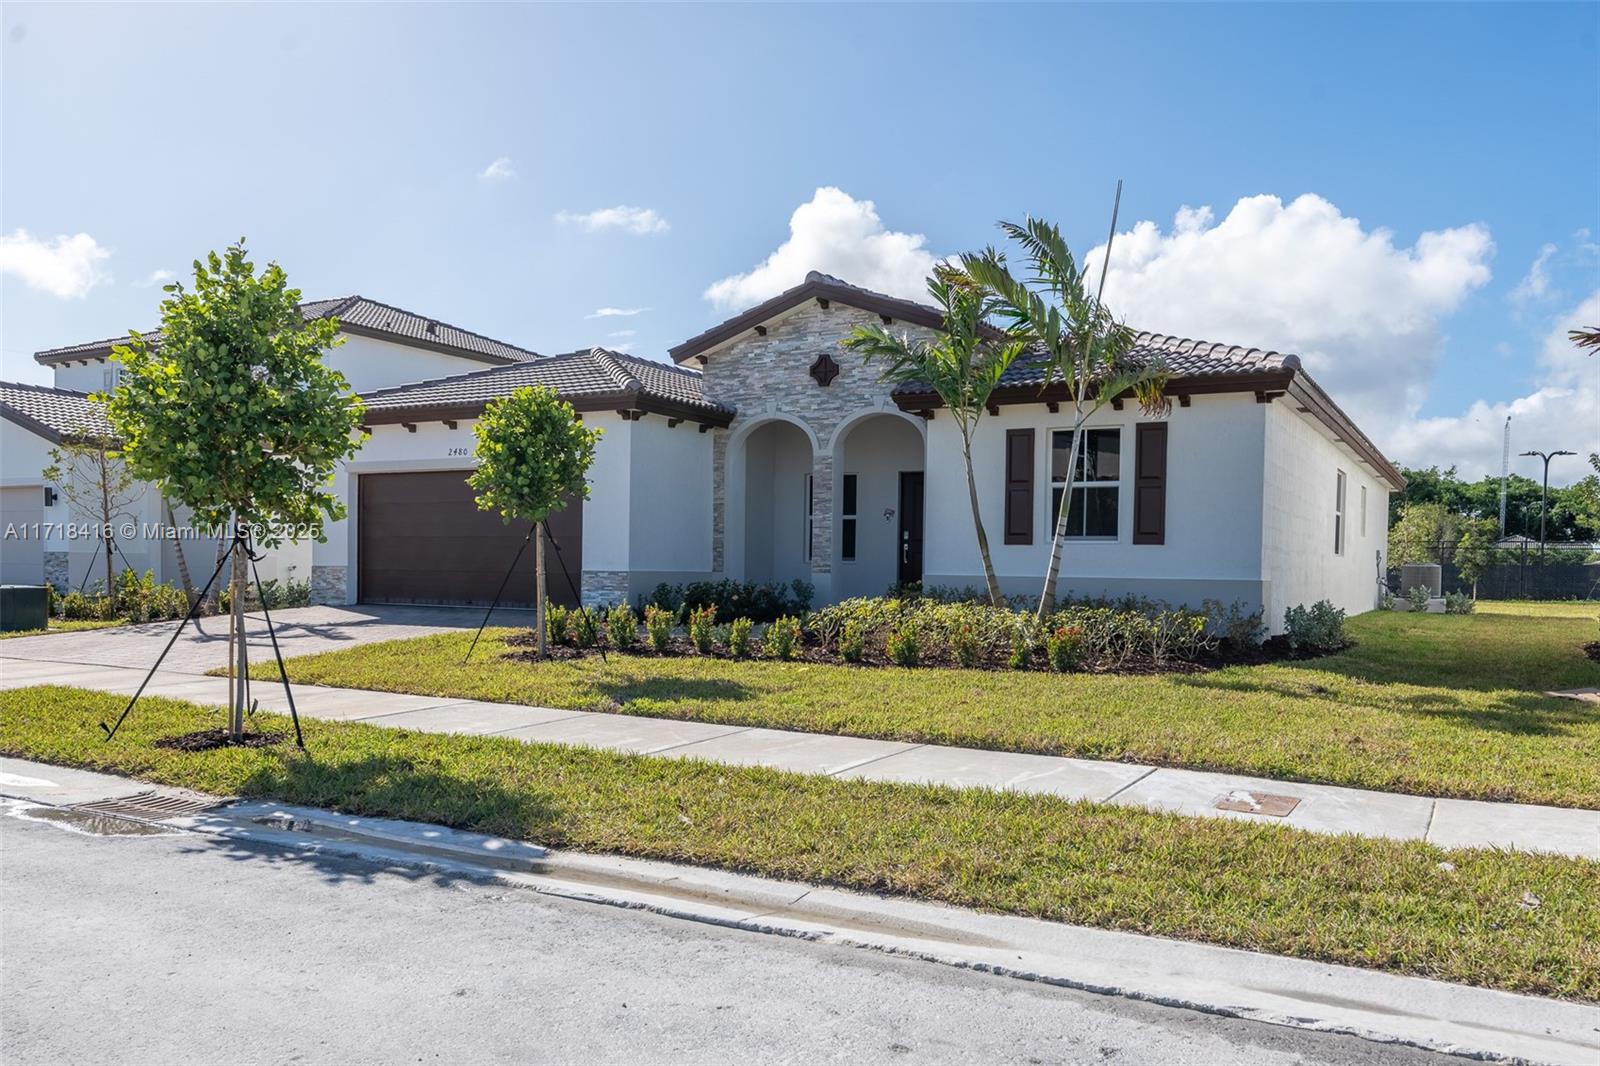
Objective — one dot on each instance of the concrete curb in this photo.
(1456, 1019)
(1460, 1020)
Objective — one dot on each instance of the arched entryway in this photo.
(780, 503)
(877, 520)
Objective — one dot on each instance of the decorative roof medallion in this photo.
(824, 370)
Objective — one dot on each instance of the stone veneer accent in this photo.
(329, 584)
(57, 570)
(603, 588)
(761, 376)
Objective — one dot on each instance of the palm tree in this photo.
(1082, 345)
(962, 365)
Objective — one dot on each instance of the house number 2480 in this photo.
(459, 451)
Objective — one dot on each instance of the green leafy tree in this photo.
(99, 489)
(1084, 346)
(962, 365)
(232, 412)
(1422, 534)
(1475, 551)
(533, 454)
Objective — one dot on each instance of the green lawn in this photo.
(1432, 704)
(1366, 902)
(59, 625)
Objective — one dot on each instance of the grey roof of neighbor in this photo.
(54, 414)
(597, 375)
(357, 315)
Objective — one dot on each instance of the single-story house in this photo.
(43, 541)
(767, 453)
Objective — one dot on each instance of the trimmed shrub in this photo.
(1064, 648)
(739, 638)
(702, 628)
(1020, 656)
(658, 623)
(852, 642)
(1458, 603)
(736, 599)
(904, 645)
(622, 628)
(966, 643)
(1241, 628)
(1317, 628)
(585, 627)
(556, 622)
(782, 638)
(1418, 596)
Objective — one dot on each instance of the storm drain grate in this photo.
(151, 806)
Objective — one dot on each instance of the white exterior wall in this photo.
(1213, 513)
(1298, 558)
(669, 509)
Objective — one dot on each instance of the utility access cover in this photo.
(1267, 803)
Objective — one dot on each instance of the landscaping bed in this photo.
(1436, 705)
(1407, 907)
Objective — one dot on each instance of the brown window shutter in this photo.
(1150, 483)
(1019, 486)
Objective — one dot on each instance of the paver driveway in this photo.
(204, 643)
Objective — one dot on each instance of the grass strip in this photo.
(1435, 705)
(1522, 922)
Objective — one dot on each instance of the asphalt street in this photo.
(180, 948)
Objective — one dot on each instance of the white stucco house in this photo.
(382, 346)
(767, 453)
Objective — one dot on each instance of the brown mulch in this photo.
(1592, 650)
(1274, 650)
(210, 739)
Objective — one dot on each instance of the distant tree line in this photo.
(1574, 510)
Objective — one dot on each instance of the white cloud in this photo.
(156, 277)
(616, 312)
(1363, 313)
(1563, 411)
(500, 170)
(1536, 284)
(641, 221)
(67, 267)
(837, 234)
(623, 333)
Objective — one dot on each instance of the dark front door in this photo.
(910, 526)
(422, 539)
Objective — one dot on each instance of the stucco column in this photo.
(719, 497)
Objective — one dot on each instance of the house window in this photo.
(811, 518)
(1338, 514)
(110, 376)
(1095, 482)
(1363, 511)
(847, 519)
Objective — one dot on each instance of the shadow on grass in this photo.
(673, 690)
(411, 788)
(1524, 714)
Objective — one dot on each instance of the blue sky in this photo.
(1443, 149)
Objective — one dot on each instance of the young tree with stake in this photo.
(99, 489)
(232, 413)
(533, 453)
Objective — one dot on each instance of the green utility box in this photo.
(24, 607)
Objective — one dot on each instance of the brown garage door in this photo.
(424, 540)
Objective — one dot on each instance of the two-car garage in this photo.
(422, 539)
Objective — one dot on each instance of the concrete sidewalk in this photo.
(1318, 808)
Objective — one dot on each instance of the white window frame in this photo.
(1363, 512)
(1111, 483)
(848, 519)
(1339, 490)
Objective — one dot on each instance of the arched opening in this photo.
(779, 503)
(877, 523)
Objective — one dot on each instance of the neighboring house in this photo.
(383, 346)
(781, 457)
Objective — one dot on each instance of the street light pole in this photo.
(1544, 500)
